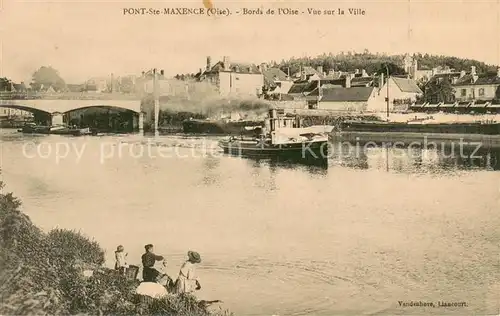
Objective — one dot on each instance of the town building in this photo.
(352, 99)
(477, 87)
(300, 89)
(357, 92)
(422, 74)
(276, 82)
(308, 73)
(234, 78)
(402, 92)
(97, 84)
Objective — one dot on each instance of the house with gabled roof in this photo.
(75, 87)
(275, 80)
(402, 93)
(308, 73)
(233, 78)
(19, 87)
(352, 99)
(477, 87)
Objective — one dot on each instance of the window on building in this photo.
(463, 92)
(481, 91)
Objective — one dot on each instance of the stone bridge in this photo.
(56, 108)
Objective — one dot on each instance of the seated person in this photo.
(149, 273)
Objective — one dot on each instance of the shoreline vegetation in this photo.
(47, 274)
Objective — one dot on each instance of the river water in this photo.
(374, 228)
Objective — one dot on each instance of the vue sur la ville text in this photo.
(243, 11)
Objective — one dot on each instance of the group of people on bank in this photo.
(186, 281)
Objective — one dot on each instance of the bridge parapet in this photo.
(66, 105)
(67, 96)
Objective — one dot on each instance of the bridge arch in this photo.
(102, 106)
(40, 116)
(103, 117)
(127, 107)
(26, 108)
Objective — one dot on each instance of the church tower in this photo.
(408, 63)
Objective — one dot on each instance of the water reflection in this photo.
(211, 174)
(328, 231)
(410, 159)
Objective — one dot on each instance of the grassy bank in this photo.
(43, 274)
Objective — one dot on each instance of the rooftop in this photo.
(353, 94)
(407, 85)
(244, 68)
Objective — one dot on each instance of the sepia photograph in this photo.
(260, 158)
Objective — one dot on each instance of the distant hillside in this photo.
(375, 63)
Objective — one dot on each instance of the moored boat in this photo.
(56, 130)
(310, 148)
(71, 131)
(482, 128)
(220, 127)
(32, 128)
(302, 145)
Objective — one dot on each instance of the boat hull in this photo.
(35, 129)
(72, 131)
(309, 151)
(55, 131)
(433, 128)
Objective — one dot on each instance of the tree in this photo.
(48, 76)
(439, 91)
(5, 84)
(394, 70)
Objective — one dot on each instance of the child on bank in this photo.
(121, 260)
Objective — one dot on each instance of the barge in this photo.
(221, 127)
(481, 128)
(55, 130)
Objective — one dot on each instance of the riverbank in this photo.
(61, 272)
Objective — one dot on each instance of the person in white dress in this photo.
(121, 260)
(187, 282)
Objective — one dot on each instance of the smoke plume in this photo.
(203, 98)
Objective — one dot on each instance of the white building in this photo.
(402, 93)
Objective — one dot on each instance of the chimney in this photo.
(364, 74)
(209, 63)
(498, 72)
(473, 70)
(462, 73)
(201, 71)
(320, 69)
(348, 80)
(227, 63)
(259, 68)
(162, 72)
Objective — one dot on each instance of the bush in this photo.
(72, 246)
(42, 274)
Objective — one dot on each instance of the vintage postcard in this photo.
(215, 157)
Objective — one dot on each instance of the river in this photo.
(374, 228)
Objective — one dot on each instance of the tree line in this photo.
(376, 62)
(45, 76)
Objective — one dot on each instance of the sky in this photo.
(83, 39)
